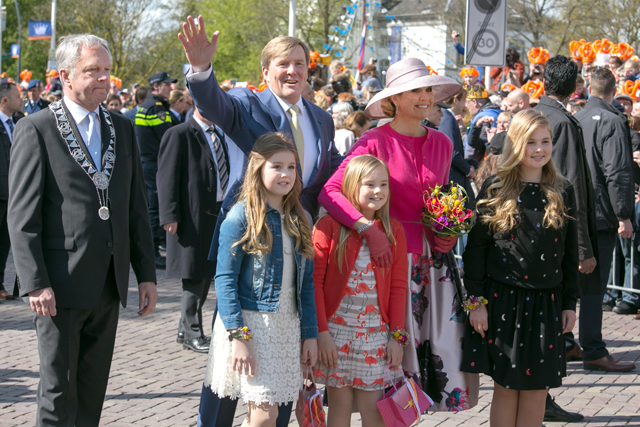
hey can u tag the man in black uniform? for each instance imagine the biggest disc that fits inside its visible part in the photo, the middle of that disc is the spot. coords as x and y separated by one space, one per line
152 121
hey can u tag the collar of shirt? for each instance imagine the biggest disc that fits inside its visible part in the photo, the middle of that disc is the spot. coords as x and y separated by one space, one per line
202 124
175 113
78 112
4 117
285 105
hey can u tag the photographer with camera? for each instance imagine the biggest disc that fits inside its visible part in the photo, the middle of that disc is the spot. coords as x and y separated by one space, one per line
513 64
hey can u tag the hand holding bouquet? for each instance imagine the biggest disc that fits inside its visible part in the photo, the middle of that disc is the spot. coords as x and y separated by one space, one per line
444 211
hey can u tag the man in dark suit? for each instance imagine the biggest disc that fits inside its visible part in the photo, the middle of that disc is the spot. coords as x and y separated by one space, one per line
77 219
194 176
10 104
34 103
244 116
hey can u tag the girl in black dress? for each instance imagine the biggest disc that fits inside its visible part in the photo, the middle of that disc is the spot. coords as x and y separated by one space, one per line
521 271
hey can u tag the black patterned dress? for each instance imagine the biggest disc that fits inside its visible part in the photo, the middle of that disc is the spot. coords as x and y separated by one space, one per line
529 276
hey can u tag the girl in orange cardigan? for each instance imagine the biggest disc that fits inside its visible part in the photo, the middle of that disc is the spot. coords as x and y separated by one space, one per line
360 307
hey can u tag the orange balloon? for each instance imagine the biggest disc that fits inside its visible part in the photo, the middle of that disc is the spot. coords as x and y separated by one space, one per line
603 46
587 53
534 89
623 51
538 55
631 88
507 87
574 48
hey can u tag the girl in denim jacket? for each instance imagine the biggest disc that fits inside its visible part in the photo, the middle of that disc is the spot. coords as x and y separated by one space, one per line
264 287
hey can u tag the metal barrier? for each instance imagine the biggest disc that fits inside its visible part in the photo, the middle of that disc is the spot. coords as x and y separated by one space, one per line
612 276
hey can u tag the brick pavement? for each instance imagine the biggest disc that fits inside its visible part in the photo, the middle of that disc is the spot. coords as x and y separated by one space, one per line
156 383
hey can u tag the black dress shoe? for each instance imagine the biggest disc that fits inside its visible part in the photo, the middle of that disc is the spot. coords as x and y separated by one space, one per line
180 338
196 344
553 412
624 308
161 262
207 340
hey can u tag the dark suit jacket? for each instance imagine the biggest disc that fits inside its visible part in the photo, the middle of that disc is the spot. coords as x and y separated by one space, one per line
58 239
460 167
245 116
569 157
187 188
5 150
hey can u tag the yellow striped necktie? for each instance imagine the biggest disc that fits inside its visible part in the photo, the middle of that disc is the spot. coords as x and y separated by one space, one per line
297 133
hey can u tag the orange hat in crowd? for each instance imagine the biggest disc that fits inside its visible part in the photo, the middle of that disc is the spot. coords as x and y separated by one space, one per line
468 71
631 88
26 75
535 89
117 80
51 73
574 48
538 55
507 87
587 53
603 46
623 51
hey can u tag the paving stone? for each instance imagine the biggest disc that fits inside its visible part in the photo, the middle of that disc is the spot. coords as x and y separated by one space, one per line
154 382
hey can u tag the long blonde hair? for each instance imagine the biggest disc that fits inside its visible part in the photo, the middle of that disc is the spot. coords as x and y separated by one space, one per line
502 195
356 170
257 238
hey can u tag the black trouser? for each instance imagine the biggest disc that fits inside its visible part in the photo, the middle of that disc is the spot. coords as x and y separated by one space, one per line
150 169
194 294
590 326
76 348
4 241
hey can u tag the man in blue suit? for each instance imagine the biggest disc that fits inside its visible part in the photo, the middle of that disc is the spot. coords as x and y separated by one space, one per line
244 116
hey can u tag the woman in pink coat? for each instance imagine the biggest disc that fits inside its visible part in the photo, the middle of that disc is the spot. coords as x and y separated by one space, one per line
418 158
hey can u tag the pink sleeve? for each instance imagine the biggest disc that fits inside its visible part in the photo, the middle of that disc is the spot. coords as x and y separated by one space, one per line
331 197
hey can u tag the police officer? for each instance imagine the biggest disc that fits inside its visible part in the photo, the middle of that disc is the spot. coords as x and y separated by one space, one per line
34 103
153 118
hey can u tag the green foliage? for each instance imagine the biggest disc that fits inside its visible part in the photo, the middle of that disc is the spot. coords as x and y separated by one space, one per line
245 28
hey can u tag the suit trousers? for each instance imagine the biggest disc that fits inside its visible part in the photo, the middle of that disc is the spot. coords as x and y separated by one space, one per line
76 348
215 411
150 170
590 326
4 241
194 294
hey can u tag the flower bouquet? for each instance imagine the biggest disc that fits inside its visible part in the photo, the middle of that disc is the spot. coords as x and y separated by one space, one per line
444 211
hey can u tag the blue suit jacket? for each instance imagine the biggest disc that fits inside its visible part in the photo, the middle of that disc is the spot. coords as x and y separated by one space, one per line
244 116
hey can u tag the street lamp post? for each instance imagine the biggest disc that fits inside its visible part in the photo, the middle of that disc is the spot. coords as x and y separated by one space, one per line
51 63
292 18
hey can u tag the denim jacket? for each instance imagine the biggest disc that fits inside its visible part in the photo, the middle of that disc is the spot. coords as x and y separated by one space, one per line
252 282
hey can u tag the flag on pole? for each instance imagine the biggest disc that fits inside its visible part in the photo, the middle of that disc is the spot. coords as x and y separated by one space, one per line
364 37
15 50
39 30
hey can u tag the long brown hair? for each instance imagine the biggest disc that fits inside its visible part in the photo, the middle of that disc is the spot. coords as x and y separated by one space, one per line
257 238
356 170
502 195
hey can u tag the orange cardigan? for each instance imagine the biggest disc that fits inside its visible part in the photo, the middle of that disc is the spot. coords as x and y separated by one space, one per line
330 283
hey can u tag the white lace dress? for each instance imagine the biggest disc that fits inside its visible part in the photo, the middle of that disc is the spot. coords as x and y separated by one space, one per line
275 346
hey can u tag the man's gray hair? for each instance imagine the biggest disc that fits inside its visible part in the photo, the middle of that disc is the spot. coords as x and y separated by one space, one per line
70 47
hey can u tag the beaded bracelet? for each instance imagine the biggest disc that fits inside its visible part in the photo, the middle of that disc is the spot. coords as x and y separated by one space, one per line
474 303
401 336
241 334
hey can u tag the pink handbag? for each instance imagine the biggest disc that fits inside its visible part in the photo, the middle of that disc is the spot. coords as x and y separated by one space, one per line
403 405
309 409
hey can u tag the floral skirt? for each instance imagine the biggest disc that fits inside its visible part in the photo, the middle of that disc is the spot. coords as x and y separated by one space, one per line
523 349
435 321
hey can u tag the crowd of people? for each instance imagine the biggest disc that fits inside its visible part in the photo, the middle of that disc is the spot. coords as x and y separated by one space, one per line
301 200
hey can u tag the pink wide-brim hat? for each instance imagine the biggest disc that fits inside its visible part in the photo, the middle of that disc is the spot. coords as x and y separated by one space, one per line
410 74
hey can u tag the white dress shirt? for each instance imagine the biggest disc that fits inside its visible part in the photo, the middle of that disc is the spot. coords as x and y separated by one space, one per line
311 150
4 119
81 117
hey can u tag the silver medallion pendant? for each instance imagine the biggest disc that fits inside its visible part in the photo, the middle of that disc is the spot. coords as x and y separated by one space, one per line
103 213
101 181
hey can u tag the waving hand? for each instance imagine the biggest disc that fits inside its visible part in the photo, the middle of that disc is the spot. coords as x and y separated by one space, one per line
197 46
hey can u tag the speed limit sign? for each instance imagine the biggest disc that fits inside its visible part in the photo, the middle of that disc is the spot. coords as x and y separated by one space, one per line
486 32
